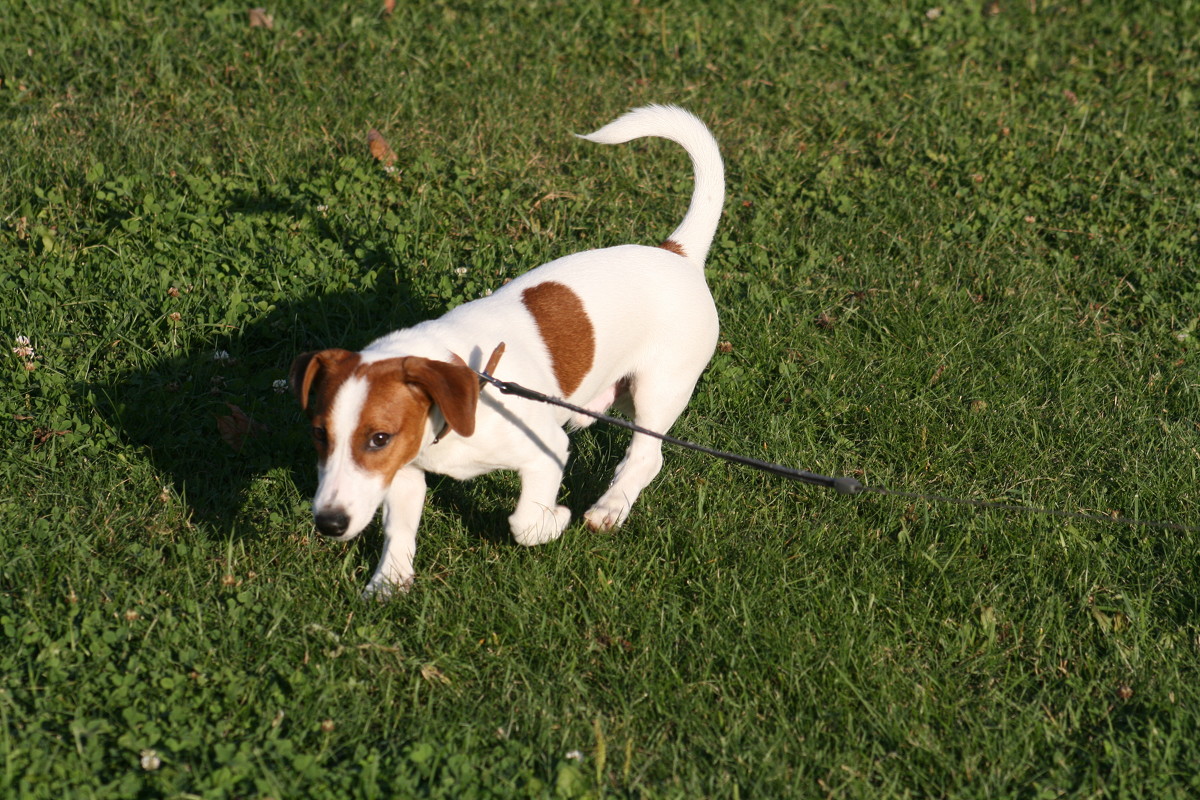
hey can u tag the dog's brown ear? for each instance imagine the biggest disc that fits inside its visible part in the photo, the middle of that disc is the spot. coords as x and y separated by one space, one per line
300 376
453 387
309 368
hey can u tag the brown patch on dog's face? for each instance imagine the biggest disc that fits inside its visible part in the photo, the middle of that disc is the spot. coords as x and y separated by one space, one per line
382 416
566 330
315 379
391 424
673 246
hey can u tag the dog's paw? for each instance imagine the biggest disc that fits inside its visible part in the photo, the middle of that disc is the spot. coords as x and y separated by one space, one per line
544 525
608 514
381 589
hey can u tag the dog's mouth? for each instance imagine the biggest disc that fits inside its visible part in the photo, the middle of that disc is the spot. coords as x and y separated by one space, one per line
345 502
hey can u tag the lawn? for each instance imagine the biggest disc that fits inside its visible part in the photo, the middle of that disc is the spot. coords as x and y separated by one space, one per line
958 257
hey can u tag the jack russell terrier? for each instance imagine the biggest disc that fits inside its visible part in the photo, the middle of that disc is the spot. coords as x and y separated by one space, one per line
630 327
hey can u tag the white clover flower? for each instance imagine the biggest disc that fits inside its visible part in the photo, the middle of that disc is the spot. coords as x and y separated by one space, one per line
323 209
460 270
575 756
221 355
280 386
24 349
150 760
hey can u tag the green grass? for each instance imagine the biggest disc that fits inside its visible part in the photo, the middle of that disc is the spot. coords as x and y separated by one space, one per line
959 256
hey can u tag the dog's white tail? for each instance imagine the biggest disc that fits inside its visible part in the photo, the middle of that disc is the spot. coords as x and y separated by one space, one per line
695 234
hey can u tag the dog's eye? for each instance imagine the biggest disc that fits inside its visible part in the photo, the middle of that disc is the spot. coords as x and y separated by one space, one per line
378 441
320 435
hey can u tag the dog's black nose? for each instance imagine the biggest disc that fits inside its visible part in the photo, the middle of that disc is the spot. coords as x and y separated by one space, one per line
333 522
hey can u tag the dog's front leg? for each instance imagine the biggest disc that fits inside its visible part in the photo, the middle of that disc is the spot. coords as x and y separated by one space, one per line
538 517
401 513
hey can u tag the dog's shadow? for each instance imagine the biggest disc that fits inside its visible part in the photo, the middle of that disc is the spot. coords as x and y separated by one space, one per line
216 420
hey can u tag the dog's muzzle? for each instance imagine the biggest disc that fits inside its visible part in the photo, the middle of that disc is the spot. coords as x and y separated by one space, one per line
333 522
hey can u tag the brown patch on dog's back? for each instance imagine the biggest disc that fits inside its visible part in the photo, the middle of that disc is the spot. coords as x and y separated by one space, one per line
673 246
566 329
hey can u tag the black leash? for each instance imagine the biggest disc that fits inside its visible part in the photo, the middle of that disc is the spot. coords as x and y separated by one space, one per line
840 485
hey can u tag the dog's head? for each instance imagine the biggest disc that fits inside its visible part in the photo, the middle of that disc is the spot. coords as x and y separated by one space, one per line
369 419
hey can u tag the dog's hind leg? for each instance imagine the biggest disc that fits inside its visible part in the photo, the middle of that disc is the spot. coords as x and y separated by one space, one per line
656 406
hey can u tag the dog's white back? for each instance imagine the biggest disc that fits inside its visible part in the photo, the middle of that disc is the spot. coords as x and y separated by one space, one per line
630 327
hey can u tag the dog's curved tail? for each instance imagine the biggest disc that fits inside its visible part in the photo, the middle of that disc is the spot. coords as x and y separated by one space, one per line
695 234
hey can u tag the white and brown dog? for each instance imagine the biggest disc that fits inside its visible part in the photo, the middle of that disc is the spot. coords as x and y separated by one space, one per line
628 326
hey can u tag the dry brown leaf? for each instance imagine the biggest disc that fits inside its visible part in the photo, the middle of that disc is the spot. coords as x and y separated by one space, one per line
380 148
236 428
388 7
259 18
434 675
43 435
